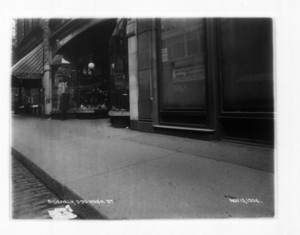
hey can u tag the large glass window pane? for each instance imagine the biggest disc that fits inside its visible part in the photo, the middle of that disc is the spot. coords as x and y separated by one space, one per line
247 70
183 64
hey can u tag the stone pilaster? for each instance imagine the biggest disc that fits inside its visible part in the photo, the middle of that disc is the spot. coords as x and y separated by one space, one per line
132 69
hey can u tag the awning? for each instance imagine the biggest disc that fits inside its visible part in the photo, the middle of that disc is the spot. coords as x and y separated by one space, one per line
31 65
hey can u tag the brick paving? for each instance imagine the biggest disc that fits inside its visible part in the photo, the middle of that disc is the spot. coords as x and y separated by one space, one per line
29 195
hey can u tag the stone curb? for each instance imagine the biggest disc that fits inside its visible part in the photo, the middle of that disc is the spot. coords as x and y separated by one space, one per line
86 211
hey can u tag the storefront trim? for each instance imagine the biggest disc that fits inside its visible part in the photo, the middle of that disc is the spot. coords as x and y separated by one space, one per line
69 31
185 128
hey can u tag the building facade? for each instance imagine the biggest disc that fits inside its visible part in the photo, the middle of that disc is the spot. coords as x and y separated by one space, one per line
208 78
28 61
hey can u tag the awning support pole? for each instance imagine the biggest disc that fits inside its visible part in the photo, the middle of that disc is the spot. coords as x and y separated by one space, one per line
47 81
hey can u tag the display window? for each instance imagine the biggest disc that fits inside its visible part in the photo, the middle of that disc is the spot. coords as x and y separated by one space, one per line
79 88
119 84
183 59
246 65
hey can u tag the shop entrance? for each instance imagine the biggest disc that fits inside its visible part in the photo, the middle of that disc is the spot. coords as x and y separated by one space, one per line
82 68
27 96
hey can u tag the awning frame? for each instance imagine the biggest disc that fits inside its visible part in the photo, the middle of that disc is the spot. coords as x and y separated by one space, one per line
31 66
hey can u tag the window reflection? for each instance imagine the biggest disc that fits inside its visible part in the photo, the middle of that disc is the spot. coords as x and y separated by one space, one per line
247 70
183 66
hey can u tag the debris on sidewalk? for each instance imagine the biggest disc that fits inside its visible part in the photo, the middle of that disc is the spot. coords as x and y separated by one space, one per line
64 213
228 196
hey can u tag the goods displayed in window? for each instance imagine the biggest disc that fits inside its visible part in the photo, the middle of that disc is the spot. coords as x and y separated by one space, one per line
79 89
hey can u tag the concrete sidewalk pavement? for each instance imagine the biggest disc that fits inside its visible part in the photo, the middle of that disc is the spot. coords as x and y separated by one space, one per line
145 175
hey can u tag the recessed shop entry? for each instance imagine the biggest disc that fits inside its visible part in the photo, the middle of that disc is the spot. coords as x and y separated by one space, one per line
89 69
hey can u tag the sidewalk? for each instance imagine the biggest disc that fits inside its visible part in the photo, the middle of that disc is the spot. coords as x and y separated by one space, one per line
145 175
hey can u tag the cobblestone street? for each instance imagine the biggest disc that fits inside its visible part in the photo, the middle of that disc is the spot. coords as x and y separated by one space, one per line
29 195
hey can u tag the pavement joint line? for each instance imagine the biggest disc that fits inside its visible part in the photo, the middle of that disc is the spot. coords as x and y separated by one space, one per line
111 137
194 155
120 168
228 162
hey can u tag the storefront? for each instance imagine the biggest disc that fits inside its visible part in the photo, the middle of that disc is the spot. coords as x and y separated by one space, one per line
27 89
81 68
204 77
208 78
183 73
